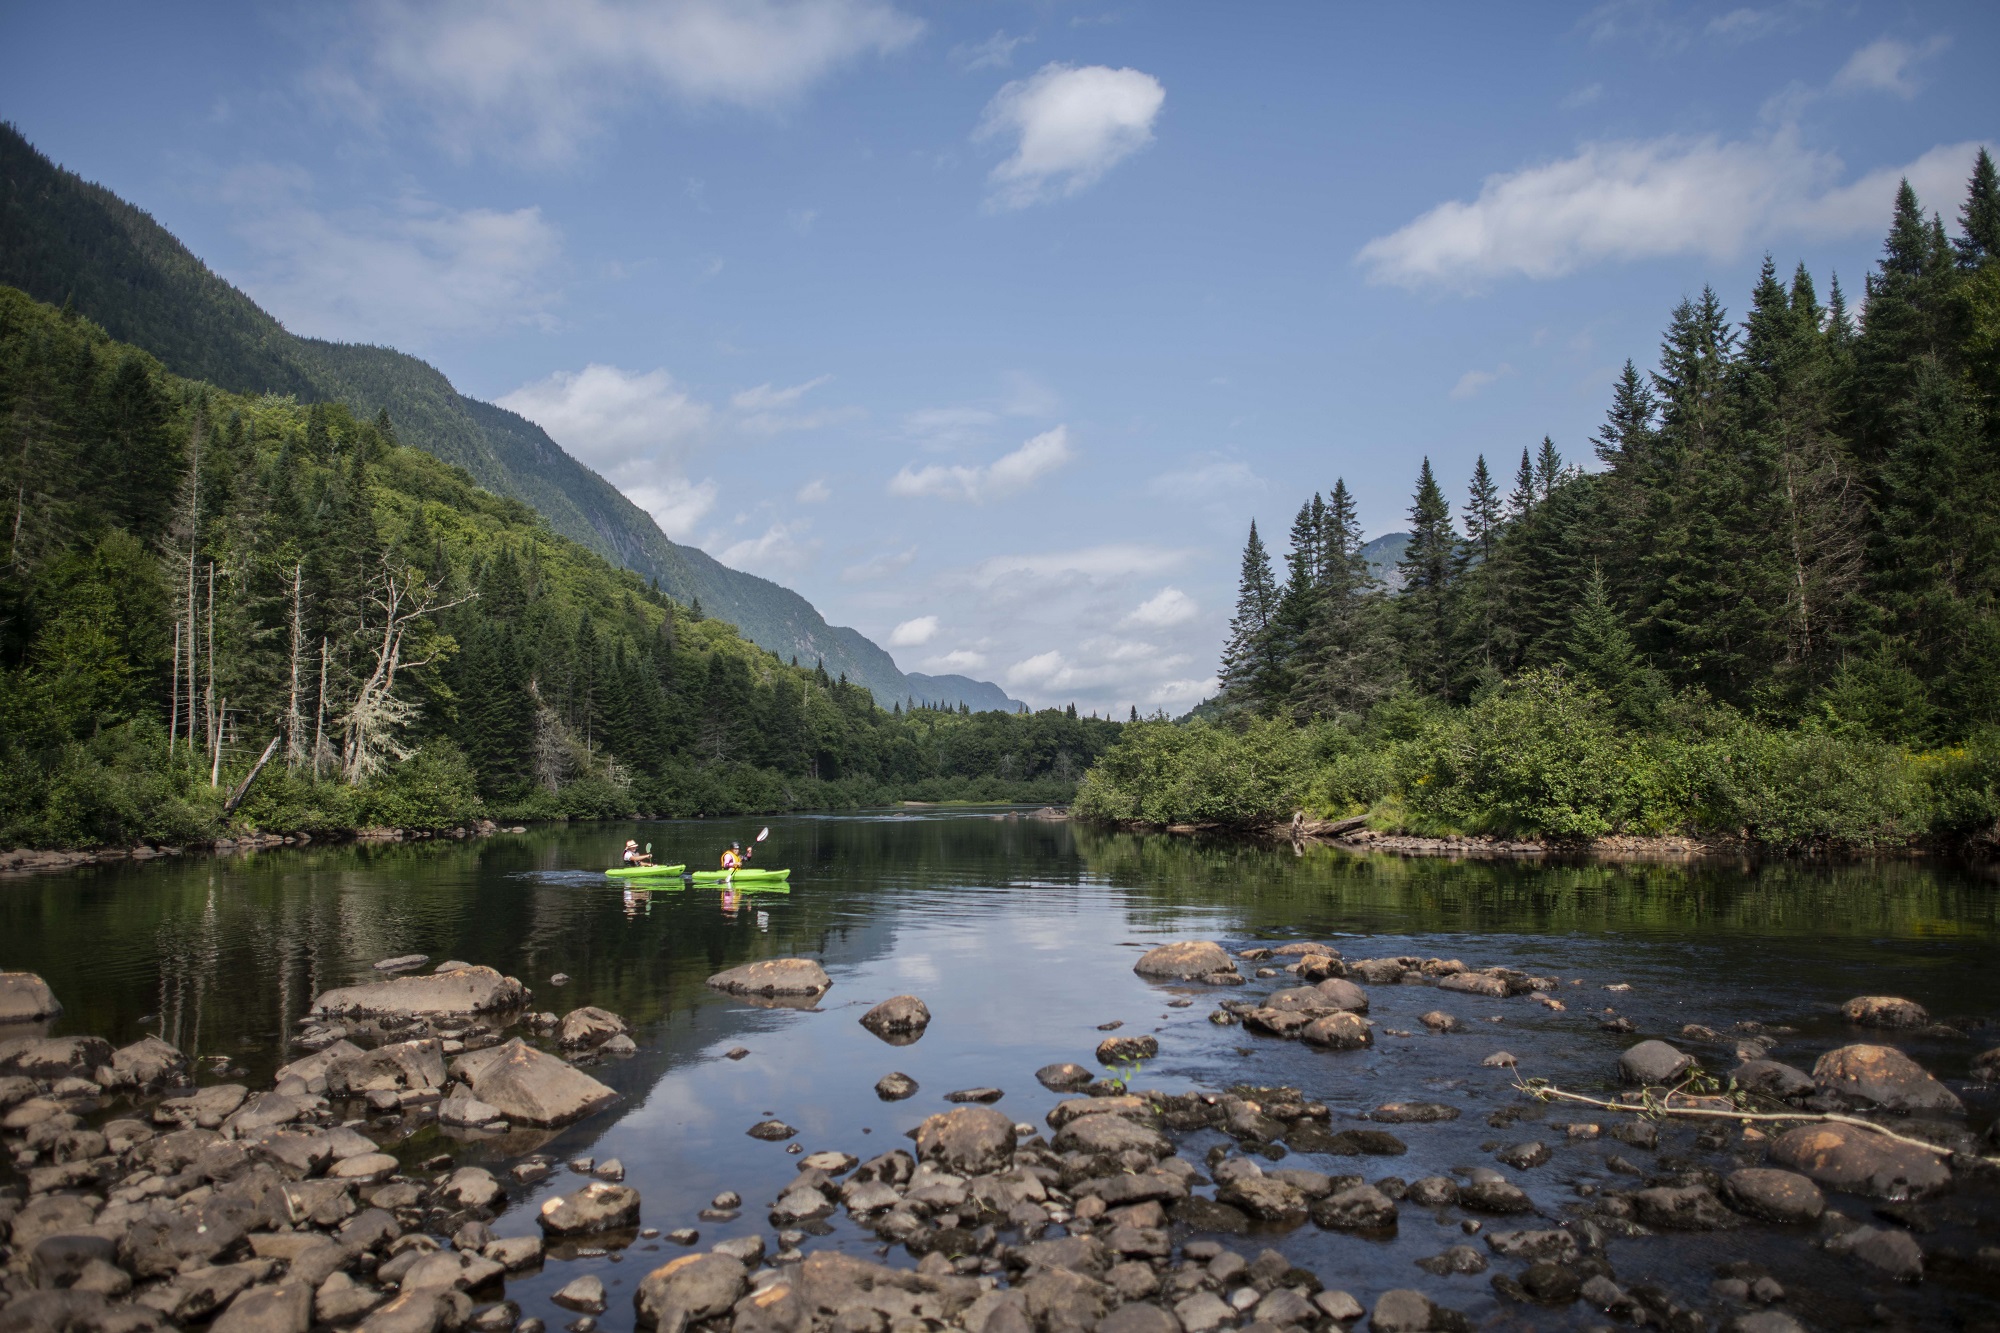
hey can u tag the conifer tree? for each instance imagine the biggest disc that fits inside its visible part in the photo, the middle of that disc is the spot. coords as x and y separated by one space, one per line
1424 608
1251 669
1979 217
1521 501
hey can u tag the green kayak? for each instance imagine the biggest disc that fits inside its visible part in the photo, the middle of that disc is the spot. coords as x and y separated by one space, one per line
641 872
741 877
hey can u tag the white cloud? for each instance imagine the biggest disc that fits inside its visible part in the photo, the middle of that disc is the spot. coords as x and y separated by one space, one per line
879 567
914 633
1649 199
1091 564
769 398
1043 669
996 52
638 428
779 547
1007 475
1185 692
527 76
1885 66
1168 606
1073 125
675 503
813 492
961 659
766 408
405 274
1205 481
1472 381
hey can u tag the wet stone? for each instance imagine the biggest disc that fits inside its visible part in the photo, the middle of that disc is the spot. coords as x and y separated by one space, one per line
1063 1077
1653 1062
895 1087
1460 1259
1774 1195
1524 1156
771 1131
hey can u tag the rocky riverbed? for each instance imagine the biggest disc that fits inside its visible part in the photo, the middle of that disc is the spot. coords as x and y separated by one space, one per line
148 1193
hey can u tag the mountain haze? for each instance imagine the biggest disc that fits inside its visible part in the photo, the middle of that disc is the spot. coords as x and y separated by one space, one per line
68 242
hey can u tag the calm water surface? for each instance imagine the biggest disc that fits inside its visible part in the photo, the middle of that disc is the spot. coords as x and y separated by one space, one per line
1020 935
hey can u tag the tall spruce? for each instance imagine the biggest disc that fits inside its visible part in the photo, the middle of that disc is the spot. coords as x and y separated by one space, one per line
1252 666
1425 605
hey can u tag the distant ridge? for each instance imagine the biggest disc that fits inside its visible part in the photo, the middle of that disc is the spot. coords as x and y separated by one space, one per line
68 242
979 695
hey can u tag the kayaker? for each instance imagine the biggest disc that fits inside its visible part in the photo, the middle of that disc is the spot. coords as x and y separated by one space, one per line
732 861
635 857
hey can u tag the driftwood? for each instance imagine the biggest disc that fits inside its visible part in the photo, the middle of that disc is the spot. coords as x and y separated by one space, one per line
1543 1090
243 787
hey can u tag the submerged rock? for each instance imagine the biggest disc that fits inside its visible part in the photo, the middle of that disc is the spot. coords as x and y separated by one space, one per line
598 1206
1774 1195
1653 1062
590 1026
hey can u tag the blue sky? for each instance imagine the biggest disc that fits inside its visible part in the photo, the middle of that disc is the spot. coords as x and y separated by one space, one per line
989 327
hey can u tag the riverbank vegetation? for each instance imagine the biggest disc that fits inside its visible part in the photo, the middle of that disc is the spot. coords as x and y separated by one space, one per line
193 576
1772 611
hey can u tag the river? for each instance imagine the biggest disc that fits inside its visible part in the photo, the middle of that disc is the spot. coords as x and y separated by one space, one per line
1020 934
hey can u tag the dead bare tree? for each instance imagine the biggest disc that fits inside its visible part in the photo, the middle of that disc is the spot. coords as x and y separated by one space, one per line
406 600
295 750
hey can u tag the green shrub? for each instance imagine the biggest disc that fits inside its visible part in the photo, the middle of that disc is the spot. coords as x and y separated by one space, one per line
119 787
432 789
1539 755
1163 773
1810 788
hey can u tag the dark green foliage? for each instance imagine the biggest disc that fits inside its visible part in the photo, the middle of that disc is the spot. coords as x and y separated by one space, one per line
541 681
1794 541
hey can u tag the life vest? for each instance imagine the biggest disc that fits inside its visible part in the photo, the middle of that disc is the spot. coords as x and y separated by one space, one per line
731 861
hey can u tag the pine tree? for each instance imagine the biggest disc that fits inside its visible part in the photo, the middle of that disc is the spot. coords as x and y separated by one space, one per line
1483 517
1979 217
1549 469
1628 427
1521 501
1251 669
1424 609
1298 601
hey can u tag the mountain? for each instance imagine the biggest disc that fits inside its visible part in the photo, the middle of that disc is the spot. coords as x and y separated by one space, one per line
979 695
1382 555
68 242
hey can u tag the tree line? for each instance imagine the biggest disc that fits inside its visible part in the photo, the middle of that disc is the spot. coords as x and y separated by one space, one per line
1768 610
1796 515
193 577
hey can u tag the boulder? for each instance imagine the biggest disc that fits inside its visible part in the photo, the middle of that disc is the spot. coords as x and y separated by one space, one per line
1884 1011
1338 1032
1682 1208
530 1086
284 1307
1413 1113
311 1070
147 1063
589 1026
1882 1078
74 1311
774 976
472 1187
467 1110
25 997
1402 1311
1357 1208
688 1290
1774 1195
598 1206
1653 1062
1771 1078
898 1020
204 1109
1860 1161
1185 960
969 1141
1475 983
895 1087
1986 1066
1119 1050
469 990
1110 1135
1064 1077
53 1057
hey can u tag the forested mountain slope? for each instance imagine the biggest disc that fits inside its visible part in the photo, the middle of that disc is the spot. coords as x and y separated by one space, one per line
68 242
191 575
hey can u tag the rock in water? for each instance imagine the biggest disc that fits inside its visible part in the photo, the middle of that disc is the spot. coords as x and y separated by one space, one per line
898 1020
1339 1032
1402 1311
1882 1078
1653 1062
471 990
774 976
688 1290
1186 960
1773 1079
25 997
1775 1196
598 1206
402 962
1884 1011
530 1086
1063 1077
589 1026
895 1087
969 1141
1860 1161
1118 1050
1895 1253
584 1294
771 1131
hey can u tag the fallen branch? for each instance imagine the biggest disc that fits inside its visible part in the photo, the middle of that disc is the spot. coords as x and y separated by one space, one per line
1542 1090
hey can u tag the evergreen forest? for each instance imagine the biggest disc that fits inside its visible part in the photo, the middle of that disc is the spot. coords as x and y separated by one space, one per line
1767 607
198 580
